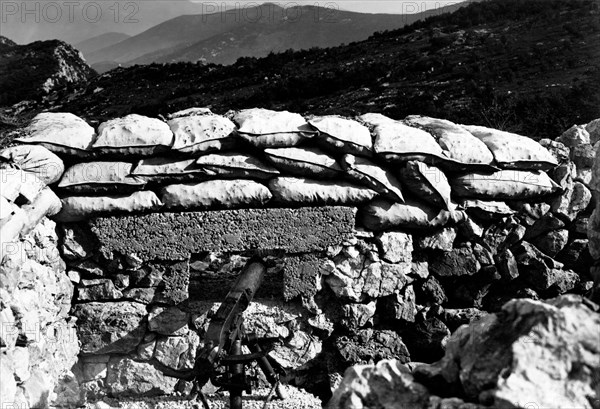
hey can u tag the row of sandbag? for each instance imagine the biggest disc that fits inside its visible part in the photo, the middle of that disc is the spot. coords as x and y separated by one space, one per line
198 130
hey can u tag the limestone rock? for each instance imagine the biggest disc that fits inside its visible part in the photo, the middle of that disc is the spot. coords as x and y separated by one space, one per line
577 256
98 290
401 306
358 315
575 198
420 269
36 389
593 129
531 351
575 136
177 352
455 317
553 242
396 247
431 291
89 268
113 327
76 242
8 386
168 321
583 156
558 149
458 262
388 384
369 345
507 265
426 338
442 240
127 378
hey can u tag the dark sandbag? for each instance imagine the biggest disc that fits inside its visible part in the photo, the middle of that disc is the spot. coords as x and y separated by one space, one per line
504 185
168 170
235 165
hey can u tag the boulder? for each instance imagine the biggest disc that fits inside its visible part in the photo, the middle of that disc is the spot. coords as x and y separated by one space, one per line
128 378
178 353
113 327
168 321
442 240
583 156
97 290
531 351
358 315
593 129
458 262
576 198
553 242
431 291
395 247
369 345
575 136
389 384
558 149
401 306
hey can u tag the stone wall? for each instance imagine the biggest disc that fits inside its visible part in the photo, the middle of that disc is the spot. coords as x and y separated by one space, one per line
381 237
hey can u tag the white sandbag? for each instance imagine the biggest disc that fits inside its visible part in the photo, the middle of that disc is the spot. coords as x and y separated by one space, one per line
100 177
60 132
382 214
504 185
235 165
17 185
369 174
264 128
305 162
223 194
398 142
513 151
342 135
160 169
133 135
202 133
35 159
486 209
75 208
428 183
295 191
458 145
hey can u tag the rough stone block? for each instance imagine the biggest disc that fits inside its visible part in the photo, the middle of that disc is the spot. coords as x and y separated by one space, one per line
174 236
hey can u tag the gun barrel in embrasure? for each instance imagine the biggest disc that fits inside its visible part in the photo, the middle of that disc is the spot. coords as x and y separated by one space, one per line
250 279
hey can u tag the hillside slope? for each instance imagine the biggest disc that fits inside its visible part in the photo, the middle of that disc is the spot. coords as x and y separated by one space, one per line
529 66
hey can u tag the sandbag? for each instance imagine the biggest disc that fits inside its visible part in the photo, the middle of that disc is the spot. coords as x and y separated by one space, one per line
427 182
223 194
398 142
100 177
60 132
383 214
375 177
486 209
504 185
305 162
76 208
342 135
190 112
235 165
202 133
133 135
161 170
513 151
294 191
35 159
460 148
264 128
19 186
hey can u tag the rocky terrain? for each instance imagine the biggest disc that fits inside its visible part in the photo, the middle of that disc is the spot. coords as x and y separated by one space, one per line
378 252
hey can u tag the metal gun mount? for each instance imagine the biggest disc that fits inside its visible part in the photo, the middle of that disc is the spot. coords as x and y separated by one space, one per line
221 360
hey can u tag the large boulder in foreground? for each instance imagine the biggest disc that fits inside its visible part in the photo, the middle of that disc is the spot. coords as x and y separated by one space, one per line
546 353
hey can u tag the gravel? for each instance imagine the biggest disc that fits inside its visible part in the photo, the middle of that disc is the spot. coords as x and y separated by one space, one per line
296 399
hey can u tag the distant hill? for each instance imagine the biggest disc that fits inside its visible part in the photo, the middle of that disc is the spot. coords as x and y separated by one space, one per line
248 32
103 40
40 68
528 66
